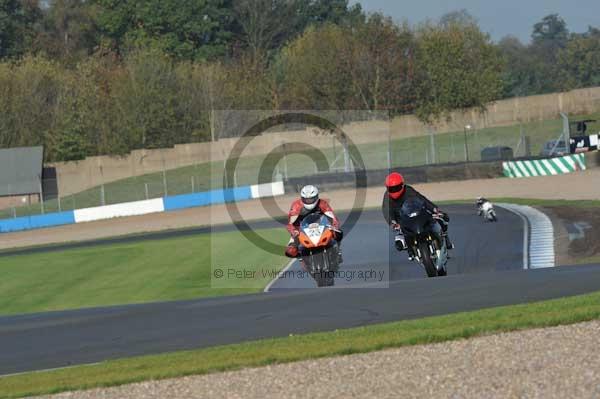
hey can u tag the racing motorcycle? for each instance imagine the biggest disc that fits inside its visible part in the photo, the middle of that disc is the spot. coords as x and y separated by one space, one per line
424 237
319 251
486 209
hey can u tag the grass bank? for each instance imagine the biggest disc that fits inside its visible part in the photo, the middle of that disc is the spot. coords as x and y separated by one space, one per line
309 346
147 271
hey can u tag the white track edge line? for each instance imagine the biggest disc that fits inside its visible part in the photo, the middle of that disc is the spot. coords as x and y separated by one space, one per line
48 370
285 269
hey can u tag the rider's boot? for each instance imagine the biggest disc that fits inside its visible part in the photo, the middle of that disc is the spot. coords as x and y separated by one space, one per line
400 242
340 259
401 245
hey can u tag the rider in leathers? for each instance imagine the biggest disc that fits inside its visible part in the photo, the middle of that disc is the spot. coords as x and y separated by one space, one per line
396 194
308 203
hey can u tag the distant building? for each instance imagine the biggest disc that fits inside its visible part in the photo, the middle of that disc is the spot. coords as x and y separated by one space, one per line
20 176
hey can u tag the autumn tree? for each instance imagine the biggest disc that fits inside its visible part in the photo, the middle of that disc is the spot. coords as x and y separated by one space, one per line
579 61
458 68
380 57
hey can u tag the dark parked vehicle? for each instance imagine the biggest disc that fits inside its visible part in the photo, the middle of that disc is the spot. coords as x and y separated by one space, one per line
500 153
554 148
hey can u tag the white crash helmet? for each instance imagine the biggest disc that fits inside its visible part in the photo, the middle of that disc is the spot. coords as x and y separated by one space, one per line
310 197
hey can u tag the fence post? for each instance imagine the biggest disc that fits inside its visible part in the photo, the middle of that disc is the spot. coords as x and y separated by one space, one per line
193 190
58 194
41 194
285 165
389 149
102 199
164 177
432 143
467 127
146 189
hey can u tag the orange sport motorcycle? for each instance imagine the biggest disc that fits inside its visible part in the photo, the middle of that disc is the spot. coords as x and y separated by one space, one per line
319 251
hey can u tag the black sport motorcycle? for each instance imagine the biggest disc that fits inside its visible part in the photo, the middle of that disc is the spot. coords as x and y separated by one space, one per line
422 233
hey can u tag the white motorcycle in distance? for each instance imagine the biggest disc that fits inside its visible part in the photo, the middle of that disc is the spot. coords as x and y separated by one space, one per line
486 209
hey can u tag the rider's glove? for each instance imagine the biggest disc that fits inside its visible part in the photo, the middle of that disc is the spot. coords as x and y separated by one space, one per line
295 233
395 226
437 214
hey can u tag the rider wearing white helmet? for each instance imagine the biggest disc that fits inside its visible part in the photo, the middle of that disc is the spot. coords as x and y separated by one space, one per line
308 203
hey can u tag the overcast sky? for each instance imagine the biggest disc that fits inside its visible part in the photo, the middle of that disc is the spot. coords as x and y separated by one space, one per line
499 18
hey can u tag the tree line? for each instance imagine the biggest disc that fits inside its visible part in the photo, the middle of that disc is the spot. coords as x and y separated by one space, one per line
92 77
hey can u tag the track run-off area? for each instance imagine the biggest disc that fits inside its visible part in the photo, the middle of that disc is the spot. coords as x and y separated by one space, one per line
487 269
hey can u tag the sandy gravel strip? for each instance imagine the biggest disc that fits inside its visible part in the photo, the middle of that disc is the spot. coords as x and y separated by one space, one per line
560 362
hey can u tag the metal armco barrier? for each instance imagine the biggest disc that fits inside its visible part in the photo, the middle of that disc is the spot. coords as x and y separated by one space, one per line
419 174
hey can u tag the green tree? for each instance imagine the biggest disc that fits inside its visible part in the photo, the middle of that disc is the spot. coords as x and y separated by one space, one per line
30 89
380 59
313 74
86 121
146 103
458 68
519 76
459 17
550 32
337 12
264 26
17 26
550 36
69 32
579 61
186 30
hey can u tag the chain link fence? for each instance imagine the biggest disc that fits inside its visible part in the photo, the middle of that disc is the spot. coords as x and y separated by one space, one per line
469 143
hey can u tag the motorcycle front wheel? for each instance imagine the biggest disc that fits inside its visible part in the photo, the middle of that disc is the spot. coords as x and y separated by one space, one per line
426 260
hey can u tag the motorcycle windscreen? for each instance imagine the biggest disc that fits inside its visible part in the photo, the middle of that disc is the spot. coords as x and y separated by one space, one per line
413 216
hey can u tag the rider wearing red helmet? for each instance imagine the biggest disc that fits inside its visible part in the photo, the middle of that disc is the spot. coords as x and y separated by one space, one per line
396 194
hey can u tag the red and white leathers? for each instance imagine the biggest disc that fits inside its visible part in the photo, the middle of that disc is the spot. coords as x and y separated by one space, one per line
295 216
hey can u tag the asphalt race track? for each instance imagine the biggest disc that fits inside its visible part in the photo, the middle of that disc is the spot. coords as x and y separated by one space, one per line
369 247
486 270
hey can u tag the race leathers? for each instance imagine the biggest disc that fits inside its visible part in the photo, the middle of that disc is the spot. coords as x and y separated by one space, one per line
298 212
391 207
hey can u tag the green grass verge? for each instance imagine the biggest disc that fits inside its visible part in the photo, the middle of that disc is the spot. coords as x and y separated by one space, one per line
148 271
309 346
407 152
589 261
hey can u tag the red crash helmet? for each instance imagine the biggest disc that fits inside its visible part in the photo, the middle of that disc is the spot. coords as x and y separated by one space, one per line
395 185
